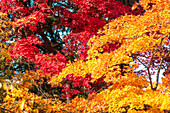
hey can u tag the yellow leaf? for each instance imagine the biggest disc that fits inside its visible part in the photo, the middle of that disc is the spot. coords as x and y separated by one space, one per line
22 105
0 85
5 87
35 111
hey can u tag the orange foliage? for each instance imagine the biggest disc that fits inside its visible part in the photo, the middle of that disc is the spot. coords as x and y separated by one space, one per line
128 93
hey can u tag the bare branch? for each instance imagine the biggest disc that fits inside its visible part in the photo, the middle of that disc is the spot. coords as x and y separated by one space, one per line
159 68
153 53
141 62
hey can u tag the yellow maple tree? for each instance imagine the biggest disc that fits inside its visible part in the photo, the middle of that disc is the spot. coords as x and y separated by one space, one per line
129 92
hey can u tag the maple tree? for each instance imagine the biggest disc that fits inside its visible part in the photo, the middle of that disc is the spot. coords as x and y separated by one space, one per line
96 62
5 64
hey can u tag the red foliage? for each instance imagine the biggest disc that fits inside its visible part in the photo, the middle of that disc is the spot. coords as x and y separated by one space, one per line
25 48
73 85
91 16
49 63
111 47
83 17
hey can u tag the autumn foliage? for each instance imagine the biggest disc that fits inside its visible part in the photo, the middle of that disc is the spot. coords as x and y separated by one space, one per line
74 56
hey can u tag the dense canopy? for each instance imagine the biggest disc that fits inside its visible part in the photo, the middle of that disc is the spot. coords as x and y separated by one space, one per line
84 56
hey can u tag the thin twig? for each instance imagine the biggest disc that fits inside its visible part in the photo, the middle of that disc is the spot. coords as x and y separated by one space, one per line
141 62
153 54
6 110
159 68
56 102
42 93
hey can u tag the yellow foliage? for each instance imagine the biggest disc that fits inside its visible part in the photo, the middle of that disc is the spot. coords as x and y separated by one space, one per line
131 32
28 79
129 93
129 98
20 100
8 25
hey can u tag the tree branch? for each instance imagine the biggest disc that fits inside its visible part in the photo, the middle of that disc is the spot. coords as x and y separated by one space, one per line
6 110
